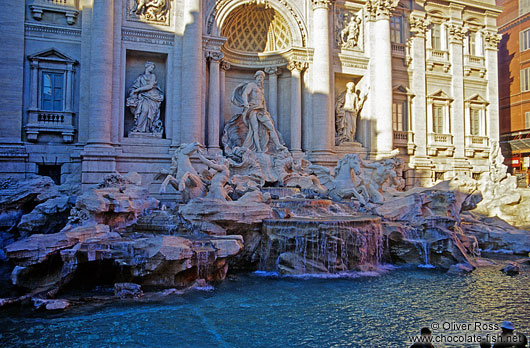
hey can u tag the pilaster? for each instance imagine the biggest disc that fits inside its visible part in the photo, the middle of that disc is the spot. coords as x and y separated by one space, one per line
492 39
323 118
296 67
456 33
192 74
379 11
273 73
214 101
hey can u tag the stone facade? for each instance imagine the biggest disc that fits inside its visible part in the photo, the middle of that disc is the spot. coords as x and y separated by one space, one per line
425 70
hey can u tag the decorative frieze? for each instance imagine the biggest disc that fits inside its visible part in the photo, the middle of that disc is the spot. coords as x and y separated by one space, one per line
38 28
380 9
150 37
149 11
349 29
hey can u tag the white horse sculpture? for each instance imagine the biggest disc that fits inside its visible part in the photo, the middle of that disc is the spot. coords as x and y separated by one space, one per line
342 184
182 176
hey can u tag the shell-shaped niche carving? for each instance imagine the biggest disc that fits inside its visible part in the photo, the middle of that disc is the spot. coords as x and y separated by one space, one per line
256 28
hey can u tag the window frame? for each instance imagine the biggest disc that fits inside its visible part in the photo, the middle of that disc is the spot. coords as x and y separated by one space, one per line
525 80
524 40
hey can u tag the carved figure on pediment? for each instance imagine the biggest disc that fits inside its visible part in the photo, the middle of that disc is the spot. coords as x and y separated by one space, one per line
349 35
144 101
260 129
151 10
347 107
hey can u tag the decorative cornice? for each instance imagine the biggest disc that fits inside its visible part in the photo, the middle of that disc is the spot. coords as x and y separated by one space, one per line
380 9
492 39
456 33
325 4
419 24
38 28
150 37
297 65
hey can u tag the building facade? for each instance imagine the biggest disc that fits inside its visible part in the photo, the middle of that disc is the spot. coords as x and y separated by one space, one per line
514 85
98 86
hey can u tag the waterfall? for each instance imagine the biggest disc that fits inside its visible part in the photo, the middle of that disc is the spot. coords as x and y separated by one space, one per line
320 245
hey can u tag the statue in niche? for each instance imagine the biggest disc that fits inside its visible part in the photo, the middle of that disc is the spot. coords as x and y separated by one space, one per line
150 10
347 107
144 101
251 97
349 35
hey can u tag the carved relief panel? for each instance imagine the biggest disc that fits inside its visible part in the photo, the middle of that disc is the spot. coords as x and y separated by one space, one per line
149 11
349 29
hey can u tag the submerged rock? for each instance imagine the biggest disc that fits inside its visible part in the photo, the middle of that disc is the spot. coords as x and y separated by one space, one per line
50 305
128 290
511 269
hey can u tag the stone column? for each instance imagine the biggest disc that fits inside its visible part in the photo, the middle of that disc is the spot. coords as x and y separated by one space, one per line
492 39
214 100
296 68
224 67
34 85
323 118
99 157
101 62
456 35
191 103
273 73
68 97
421 176
381 71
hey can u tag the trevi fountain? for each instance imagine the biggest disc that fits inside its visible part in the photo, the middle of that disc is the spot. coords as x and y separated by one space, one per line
261 248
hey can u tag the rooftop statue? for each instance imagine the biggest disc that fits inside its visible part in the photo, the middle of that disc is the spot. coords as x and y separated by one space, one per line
144 101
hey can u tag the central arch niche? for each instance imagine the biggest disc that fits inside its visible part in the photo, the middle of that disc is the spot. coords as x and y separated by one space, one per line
256 29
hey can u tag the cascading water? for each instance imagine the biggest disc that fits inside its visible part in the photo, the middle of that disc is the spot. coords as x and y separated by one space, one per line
321 245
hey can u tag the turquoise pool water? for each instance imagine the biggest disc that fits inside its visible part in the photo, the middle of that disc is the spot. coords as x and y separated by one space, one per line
257 311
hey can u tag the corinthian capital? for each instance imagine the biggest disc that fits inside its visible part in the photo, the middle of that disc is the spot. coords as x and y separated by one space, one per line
380 9
492 39
418 24
297 65
214 55
273 70
321 4
456 33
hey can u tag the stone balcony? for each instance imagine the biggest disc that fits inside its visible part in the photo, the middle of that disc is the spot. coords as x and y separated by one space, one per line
61 122
439 142
438 57
398 49
405 139
477 145
474 63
